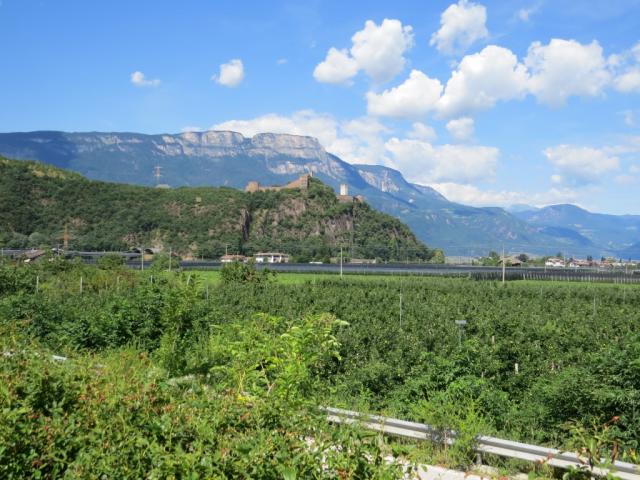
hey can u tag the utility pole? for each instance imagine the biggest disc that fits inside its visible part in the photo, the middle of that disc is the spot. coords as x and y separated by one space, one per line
141 258
157 174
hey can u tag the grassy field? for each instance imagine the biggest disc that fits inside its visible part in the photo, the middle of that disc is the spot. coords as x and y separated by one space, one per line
212 277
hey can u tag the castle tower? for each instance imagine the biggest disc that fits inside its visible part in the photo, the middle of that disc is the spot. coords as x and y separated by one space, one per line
344 189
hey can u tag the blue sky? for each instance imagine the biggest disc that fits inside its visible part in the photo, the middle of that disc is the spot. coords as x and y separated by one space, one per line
492 103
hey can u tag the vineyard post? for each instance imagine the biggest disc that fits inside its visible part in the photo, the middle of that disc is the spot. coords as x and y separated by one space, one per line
401 311
460 324
81 284
340 262
170 255
504 265
37 283
141 258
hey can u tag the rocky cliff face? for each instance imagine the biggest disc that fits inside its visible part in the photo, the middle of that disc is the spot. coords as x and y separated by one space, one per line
222 158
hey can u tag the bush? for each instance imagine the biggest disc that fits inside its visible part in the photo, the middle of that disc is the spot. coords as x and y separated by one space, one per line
237 272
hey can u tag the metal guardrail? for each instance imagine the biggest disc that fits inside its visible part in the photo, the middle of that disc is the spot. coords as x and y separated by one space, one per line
488 445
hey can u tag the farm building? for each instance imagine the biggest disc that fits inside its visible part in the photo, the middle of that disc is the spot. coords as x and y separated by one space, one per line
233 258
271 257
554 262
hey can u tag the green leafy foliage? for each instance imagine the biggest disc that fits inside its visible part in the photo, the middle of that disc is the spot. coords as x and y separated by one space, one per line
241 365
193 221
239 272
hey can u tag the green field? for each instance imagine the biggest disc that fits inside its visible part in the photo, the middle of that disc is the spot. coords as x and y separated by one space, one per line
230 366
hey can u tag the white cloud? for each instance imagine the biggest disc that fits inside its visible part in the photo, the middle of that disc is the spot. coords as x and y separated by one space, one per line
628 81
355 141
461 24
304 122
231 73
635 50
421 131
416 96
524 14
337 68
378 50
564 68
190 129
483 79
424 163
139 80
472 195
461 129
281 61
557 179
626 65
581 165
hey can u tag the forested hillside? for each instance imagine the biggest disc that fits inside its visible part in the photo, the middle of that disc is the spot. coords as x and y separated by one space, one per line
39 202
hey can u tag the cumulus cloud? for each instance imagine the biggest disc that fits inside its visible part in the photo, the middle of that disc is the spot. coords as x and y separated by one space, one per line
355 141
481 80
421 131
378 50
422 162
337 68
629 81
626 66
139 80
565 67
416 96
304 122
461 129
580 165
461 24
472 195
231 73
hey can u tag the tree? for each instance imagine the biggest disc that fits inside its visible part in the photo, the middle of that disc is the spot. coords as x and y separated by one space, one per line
438 256
111 261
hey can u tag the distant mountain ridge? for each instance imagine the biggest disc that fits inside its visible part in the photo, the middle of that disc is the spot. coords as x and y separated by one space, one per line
222 158
617 233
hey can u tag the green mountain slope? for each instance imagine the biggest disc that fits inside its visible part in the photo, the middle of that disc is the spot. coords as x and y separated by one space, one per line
38 202
223 158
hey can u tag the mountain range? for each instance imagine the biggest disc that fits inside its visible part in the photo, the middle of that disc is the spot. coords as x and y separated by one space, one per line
45 205
222 158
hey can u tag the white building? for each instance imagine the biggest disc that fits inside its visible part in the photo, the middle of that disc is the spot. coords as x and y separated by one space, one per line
271 257
233 258
554 262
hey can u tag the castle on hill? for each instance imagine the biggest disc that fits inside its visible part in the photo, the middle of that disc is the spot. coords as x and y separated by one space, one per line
302 183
